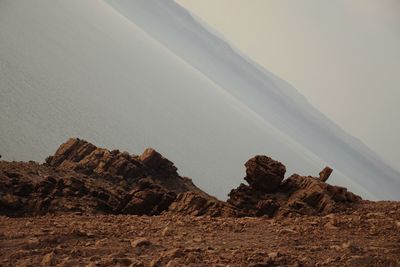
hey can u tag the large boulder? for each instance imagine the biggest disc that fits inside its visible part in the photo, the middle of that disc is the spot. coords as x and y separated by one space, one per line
264 174
267 194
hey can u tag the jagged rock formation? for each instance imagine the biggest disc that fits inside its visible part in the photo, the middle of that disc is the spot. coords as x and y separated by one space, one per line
325 173
116 166
191 203
268 195
30 188
264 174
81 177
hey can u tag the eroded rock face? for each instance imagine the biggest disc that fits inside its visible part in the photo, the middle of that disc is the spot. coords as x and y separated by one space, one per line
33 189
146 199
325 173
306 192
192 203
83 157
250 202
268 194
81 177
264 174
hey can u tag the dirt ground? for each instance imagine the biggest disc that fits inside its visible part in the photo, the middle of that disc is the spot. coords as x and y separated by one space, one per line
367 236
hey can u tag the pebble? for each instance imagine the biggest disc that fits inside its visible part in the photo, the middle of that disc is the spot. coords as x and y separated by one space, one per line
360 260
273 255
48 259
154 263
167 231
173 253
122 261
140 242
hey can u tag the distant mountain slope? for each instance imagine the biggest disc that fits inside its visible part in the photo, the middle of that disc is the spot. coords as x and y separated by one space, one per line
73 68
273 99
80 68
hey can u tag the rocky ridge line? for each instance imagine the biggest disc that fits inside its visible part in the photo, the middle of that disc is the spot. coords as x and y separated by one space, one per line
81 177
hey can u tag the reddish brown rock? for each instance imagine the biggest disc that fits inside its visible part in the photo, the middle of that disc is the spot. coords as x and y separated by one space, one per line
81 177
147 198
298 194
317 195
250 202
364 236
192 203
153 160
264 174
118 167
325 173
83 157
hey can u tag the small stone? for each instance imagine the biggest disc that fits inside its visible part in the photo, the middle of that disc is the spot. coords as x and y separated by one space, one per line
154 263
273 255
167 231
100 242
90 235
350 246
48 259
330 226
360 260
197 239
33 242
172 263
336 247
136 263
122 261
261 264
140 242
173 253
190 259
284 231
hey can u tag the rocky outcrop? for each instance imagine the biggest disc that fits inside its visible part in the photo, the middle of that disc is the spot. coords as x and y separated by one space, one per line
325 173
250 202
268 194
146 198
33 189
264 174
191 203
81 177
83 157
309 195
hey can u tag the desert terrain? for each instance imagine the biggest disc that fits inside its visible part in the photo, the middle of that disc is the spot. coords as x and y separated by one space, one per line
88 206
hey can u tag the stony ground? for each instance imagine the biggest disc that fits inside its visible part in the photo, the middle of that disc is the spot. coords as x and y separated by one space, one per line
366 236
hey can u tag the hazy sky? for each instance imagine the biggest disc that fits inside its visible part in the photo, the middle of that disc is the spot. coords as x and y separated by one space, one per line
343 56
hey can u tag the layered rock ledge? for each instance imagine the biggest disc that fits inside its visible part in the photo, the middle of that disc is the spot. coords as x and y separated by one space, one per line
81 177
